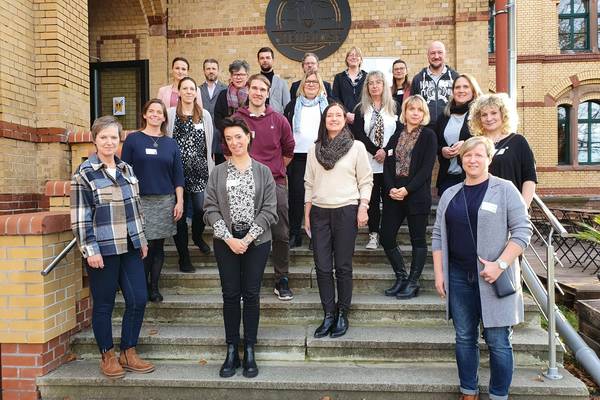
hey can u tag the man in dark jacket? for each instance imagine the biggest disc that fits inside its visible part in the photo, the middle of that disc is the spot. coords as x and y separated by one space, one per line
209 91
310 63
434 82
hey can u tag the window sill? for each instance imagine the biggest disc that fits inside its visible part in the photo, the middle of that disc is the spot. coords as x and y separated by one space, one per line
567 168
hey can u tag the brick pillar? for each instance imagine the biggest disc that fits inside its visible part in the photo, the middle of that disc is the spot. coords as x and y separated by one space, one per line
39 313
471 27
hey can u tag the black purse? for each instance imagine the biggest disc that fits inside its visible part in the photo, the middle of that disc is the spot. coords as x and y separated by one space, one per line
503 286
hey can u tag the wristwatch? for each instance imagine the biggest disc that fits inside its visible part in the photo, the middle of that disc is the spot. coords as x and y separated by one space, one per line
502 264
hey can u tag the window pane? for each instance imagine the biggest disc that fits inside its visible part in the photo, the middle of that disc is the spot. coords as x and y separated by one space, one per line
579 25
595 111
582 112
595 143
564 42
579 42
598 23
564 7
563 135
582 143
564 25
580 6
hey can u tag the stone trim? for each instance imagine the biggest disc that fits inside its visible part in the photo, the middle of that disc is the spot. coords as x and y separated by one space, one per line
58 188
18 203
25 133
551 58
40 223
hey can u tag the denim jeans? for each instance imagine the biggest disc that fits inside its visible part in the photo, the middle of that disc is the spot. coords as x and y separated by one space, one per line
465 310
127 272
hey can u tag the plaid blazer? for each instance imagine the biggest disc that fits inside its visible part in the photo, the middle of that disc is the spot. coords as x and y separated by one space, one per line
106 211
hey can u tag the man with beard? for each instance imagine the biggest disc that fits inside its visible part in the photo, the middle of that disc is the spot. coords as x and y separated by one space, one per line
209 91
434 82
310 63
279 95
272 145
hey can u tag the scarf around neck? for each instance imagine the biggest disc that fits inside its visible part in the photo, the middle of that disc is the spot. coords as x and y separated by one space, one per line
236 97
302 102
460 109
329 152
404 148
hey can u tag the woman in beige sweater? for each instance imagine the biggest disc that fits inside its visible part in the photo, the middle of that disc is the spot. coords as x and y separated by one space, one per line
338 182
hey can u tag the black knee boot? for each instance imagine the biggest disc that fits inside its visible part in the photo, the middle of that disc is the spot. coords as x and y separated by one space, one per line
250 367
397 263
156 267
232 361
419 255
181 243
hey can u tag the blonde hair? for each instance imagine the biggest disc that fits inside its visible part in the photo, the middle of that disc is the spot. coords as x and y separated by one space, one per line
474 88
501 101
300 91
416 98
475 141
104 122
387 102
358 52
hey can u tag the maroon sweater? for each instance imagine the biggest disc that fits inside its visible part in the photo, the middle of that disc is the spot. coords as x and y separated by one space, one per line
272 140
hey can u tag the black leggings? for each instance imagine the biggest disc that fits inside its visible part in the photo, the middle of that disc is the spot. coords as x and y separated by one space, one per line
295 173
394 213
375 203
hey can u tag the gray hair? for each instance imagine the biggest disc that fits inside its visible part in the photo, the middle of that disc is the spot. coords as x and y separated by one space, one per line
237 65
104 122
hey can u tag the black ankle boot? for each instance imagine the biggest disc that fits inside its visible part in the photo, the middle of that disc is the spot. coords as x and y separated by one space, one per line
326 326
181 243
341 324
232 362
397 262
156 265
419 255
250 367
295 241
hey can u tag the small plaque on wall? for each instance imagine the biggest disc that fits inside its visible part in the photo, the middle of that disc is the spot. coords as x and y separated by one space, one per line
118 105
296 27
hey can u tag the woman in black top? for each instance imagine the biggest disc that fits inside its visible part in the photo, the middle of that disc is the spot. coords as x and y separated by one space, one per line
410 155
494 116
348 84
401 84
192 128
452 129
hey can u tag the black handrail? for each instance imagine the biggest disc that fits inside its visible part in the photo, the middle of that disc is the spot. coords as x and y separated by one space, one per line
59 258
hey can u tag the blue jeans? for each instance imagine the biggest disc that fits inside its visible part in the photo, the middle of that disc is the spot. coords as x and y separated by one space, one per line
127 272
465 310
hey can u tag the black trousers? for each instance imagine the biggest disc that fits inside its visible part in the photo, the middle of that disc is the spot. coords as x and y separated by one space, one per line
197 202
375 203
394 214
295 173
334 234
241 278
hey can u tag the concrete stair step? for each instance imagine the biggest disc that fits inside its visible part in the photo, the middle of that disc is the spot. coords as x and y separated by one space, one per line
296 343
298 256
305 308
294 381
366 279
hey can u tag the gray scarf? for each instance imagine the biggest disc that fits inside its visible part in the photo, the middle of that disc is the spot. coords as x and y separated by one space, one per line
328 151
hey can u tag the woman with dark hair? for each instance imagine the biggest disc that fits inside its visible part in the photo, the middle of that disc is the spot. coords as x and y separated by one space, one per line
375 121
407 181
452 129
241 206
107 221
348 84
338 183
303 113
156 161
401 82
169 94
192 128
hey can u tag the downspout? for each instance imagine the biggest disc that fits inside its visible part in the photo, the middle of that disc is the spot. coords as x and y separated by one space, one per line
501 36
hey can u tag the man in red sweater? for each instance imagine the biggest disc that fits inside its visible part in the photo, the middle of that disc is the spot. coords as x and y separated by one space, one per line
272 145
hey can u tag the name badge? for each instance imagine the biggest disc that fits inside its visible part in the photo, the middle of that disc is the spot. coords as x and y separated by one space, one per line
390 152
151 152
400 91
198 126
491 207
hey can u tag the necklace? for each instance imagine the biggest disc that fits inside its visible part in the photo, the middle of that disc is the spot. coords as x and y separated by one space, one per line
154 142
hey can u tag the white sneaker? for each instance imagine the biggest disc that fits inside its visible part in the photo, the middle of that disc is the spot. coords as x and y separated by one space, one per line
373 241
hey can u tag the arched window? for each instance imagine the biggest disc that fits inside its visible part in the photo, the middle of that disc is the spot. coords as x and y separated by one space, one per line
564 135
573 27
588 132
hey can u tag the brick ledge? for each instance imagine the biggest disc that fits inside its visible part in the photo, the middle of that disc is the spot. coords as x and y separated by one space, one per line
40 223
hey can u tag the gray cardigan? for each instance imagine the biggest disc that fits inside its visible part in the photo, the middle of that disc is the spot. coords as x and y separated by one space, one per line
208 132
216 199
508 220
279 95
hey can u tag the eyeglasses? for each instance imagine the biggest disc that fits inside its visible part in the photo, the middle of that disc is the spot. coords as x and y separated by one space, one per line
239 75
311 82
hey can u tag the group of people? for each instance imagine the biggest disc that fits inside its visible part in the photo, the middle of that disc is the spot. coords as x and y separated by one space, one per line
255 160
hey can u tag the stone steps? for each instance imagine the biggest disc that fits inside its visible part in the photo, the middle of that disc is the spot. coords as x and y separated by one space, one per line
296 343
296 380
367 309
366 279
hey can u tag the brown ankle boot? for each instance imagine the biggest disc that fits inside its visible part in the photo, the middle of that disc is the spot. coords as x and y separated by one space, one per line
130 361
109 365
469 397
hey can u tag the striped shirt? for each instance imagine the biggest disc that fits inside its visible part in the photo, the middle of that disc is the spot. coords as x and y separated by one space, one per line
105 211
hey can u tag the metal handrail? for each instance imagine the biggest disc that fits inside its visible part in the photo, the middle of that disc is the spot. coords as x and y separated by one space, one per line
545 299
59 258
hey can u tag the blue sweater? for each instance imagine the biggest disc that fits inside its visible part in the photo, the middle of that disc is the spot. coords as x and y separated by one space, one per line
159 169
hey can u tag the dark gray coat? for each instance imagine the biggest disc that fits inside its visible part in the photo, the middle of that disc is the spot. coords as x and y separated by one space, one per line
510 221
